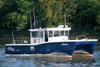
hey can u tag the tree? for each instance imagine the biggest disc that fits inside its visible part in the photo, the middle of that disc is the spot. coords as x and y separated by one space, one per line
15 14
84 18
96 6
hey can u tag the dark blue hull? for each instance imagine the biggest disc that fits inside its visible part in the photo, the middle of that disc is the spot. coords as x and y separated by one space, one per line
46 48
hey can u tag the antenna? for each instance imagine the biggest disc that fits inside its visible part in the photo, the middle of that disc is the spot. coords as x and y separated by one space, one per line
65 19
13 37
34 18
31 21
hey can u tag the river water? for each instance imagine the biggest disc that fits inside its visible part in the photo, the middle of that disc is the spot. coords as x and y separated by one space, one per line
22 62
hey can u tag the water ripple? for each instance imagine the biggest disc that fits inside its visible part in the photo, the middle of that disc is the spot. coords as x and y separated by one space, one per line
22 62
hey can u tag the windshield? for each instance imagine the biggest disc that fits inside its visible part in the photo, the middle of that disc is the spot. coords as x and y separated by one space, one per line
37 34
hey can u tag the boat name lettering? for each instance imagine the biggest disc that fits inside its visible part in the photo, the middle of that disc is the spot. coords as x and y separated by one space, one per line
64 44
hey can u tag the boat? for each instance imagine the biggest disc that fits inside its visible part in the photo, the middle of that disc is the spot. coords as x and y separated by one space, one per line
51 40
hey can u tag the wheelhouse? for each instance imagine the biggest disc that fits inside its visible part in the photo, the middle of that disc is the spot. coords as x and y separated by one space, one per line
49 34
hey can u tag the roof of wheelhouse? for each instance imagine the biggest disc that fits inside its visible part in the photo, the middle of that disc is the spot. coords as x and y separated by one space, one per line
59 28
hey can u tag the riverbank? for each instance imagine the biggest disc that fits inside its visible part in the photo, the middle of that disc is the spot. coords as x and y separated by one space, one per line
19 36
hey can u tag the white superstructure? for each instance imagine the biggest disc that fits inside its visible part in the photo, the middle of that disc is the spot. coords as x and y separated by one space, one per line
57 34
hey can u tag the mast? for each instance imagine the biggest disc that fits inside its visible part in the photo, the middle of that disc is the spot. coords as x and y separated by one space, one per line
31 26
31 21
65 19
13 37
32 17
34 22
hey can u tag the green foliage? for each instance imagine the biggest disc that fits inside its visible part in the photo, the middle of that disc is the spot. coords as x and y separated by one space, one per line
85 17
14 14
82 15
17 20
53 11
96 6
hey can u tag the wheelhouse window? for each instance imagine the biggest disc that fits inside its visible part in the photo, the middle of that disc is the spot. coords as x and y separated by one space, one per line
40 34
34 34
60 33
37 34
64 33
50 33
56 33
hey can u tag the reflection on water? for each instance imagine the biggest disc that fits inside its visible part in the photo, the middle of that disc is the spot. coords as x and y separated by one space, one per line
18 62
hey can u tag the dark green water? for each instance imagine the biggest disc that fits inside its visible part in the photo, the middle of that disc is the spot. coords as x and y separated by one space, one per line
16 62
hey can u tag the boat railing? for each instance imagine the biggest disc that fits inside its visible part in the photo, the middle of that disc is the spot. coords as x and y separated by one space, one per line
81 37
20 42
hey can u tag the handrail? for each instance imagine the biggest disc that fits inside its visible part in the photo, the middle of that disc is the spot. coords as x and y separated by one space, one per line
77 38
